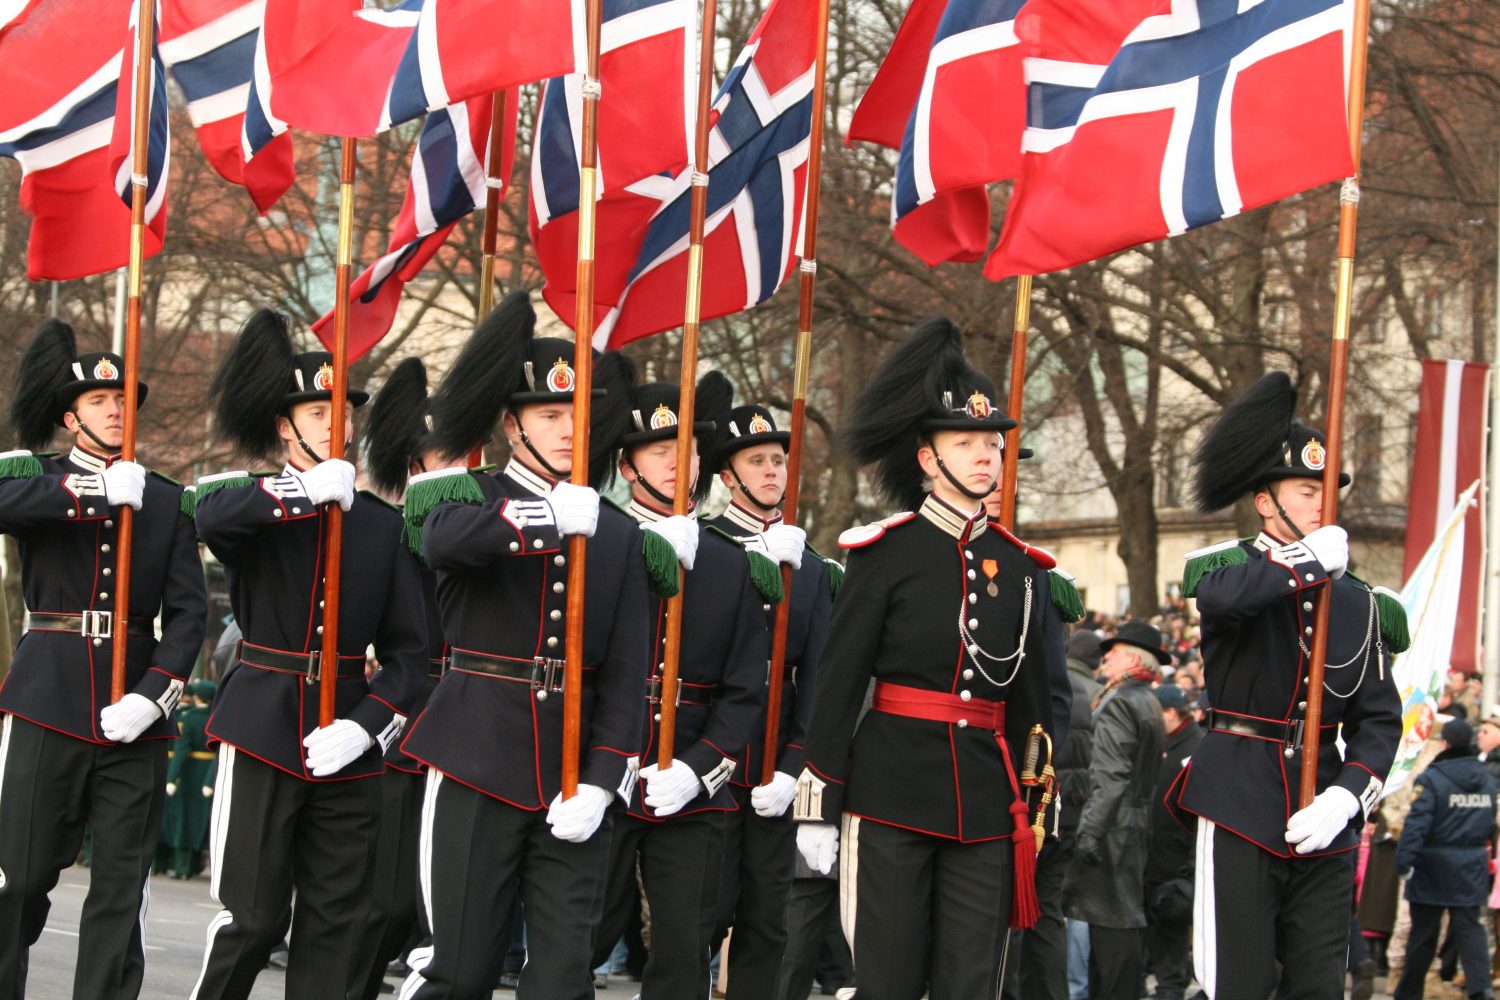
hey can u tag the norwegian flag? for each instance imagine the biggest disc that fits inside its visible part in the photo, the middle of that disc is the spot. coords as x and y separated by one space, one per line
58 125
645 129
158 136
209 47
13 12
757 183
1147 118
448 181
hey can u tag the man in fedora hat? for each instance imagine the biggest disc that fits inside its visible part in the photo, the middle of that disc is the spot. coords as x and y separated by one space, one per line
68 757
297 804
1274 881
1106 884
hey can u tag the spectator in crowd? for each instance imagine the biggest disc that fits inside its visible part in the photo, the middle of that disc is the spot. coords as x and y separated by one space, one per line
1106 882
1444 855
1487 739
1169 861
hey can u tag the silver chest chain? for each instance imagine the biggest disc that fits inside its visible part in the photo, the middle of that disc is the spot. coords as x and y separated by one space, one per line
1361 655
975 651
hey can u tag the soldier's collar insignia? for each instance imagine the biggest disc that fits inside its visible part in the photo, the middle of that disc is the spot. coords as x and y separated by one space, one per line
949 519
524 476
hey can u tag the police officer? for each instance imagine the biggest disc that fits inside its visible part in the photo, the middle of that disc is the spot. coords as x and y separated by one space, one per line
761 844
298 805
674 826
955 620
68 757
1444 856
1273 881
397 445
495 823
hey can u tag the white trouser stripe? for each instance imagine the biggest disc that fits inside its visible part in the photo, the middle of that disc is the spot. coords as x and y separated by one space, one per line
849 877
1205 923
221 920
420 958
218 817
4 758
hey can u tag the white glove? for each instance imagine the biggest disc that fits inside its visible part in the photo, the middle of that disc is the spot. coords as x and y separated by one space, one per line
782 542
331 747
576 819
682 533
128 718
668 791
329 481
818 843
124 482
772 800
1330 544
1315 827
208 791
575 508
171 788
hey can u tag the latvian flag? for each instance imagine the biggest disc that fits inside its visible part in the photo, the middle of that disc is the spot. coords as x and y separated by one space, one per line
1449 457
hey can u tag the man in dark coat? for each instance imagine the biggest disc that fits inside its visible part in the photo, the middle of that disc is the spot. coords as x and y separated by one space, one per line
69 757
189 784
1106 884
1169 861
1444 856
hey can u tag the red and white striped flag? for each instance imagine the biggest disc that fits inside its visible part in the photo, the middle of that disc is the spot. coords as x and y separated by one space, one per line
1449 455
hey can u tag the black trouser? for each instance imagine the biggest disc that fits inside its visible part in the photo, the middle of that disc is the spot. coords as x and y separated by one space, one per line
922 910
272 833
50 786
1115 962
1253 909
476 853
680 860
393 903
1467 933
813 932
1167 954
759 858
1036 966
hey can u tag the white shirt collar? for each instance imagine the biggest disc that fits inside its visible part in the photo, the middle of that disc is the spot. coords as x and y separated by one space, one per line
950 519
86 459
748 520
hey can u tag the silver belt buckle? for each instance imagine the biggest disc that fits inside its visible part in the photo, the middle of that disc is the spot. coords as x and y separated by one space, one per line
545 672
314 659
97 624
653 690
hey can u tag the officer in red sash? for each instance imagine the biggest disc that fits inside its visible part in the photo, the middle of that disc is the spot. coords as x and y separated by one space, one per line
956 621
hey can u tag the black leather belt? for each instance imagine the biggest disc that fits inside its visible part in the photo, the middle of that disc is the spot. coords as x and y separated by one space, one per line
653 693
1288 732
91 624
543 673
308 664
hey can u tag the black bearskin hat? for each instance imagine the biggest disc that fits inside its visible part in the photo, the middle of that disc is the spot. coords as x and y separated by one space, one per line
52 374
924 384
468 402
397 430
1256 441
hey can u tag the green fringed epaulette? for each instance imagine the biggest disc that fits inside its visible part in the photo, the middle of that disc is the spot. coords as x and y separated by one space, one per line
1201 562
1391 614
380 500
661 565
425 494
164 478
835 572
1065 596
19 465
765 572
188 502
220 481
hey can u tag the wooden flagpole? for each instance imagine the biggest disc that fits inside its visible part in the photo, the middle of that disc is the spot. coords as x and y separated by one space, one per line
688 376
583 381
139 165
1338 371
494 185
808 273
1020 328
333 564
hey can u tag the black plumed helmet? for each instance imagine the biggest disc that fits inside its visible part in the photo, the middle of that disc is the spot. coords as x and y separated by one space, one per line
42 373
712 401
1253 442
249 390
615 377
924 384
489 369
397 431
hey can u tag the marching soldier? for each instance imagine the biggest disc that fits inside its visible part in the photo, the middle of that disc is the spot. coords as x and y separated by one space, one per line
760 847
495 823
397 445
298 806
675 823
959 624
67 756
1273 881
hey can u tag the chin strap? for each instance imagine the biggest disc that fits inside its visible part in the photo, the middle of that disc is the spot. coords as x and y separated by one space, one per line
301 443
953 480
1286 518
655 493
739 484
107 449
546 465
